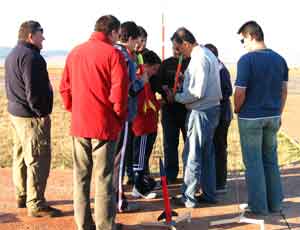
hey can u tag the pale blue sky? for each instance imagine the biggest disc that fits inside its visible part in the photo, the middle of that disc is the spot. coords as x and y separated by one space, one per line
67 23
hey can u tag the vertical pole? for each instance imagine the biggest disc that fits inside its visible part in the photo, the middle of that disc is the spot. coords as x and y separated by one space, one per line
163 36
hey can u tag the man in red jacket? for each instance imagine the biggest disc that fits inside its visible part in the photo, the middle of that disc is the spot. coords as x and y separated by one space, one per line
94 89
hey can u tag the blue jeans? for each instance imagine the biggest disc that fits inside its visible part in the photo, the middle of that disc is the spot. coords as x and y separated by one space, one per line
199 155
259 149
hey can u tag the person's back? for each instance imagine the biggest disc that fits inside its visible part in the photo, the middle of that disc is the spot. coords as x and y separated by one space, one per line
259 99
265 71
94 72
94 88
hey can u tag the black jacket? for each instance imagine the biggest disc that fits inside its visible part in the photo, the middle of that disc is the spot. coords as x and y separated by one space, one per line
166 76
27 84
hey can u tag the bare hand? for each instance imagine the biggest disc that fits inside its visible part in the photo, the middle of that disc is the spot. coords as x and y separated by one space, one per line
170 96
145 78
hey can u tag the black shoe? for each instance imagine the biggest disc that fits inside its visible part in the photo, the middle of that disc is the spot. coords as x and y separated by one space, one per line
44 211
149 182
21 202
128 207
119 226
202 200
177 201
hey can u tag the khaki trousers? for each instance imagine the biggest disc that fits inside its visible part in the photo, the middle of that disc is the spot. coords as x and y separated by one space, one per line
31 158
88 154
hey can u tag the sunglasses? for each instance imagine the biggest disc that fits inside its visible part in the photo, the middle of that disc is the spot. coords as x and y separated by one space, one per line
243 40
38 29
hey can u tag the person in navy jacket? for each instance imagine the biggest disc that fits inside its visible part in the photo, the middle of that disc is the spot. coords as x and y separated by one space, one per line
30 102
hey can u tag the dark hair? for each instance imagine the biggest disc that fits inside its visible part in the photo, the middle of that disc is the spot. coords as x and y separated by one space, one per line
253 29
212 48
29 27
129 29
142 32
151 58
107 24
181 35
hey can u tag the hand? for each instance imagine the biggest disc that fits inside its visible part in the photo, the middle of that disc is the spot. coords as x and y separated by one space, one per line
170 96
162 102
236 110
145 78
280 122
180 82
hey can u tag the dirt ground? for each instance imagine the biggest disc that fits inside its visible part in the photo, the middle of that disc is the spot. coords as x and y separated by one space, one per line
59 194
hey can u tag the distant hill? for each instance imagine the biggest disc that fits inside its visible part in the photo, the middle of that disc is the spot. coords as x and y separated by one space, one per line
52 56
4 52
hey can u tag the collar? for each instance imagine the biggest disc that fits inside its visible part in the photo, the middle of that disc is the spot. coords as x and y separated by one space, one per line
100 36
29 45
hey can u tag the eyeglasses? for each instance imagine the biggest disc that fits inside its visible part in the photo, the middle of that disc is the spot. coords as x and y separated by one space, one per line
38 29
243 40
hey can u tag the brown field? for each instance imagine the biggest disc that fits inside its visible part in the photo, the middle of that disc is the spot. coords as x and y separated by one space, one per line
61 141
57 70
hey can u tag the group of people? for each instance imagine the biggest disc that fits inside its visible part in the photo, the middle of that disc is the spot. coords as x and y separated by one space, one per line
109 86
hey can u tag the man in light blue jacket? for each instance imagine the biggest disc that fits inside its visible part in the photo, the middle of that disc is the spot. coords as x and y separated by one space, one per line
201 94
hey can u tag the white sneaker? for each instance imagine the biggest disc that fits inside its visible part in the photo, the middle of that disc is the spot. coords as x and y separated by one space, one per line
136 194
244 207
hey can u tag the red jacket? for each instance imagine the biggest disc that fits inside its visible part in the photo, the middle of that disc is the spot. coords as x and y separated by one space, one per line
146 122
94 88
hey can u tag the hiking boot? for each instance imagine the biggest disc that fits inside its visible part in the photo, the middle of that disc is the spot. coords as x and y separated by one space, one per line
44 211
21 202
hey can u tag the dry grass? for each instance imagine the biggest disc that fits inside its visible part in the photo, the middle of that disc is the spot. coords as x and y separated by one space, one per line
62 144
293 72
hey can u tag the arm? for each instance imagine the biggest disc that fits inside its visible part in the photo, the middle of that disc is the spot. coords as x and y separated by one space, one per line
119 85
283 96
239 98
39 94
284 87
136 85
161 85
65 88
241 83
225 83
195 82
